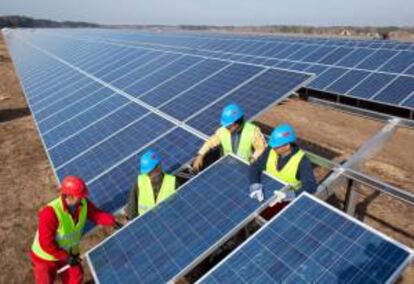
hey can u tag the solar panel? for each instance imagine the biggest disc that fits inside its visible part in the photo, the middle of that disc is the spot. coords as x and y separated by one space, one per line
389 58
155 247
93 102
263 91
312 242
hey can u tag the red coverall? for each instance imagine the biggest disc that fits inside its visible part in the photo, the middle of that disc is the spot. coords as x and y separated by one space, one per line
45 271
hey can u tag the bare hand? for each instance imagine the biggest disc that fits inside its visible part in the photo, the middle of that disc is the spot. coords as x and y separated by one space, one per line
198 163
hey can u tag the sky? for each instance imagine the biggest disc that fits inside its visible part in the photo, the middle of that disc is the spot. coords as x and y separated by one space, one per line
220 12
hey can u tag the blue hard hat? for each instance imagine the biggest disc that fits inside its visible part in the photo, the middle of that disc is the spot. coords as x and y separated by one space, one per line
282 135
231 113
149 161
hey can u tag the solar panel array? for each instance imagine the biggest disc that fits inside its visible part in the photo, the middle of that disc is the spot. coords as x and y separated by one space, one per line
311 242
372 70
157 246
98 106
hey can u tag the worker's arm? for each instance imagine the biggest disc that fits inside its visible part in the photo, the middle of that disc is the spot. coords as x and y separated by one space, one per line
131 208
258 143
48 225
256 168
306 176
210 144
100 217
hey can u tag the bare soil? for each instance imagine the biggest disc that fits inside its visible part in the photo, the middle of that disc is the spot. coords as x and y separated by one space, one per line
27 182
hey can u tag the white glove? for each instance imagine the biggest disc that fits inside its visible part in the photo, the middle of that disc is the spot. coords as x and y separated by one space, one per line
290 195
256 192
279 196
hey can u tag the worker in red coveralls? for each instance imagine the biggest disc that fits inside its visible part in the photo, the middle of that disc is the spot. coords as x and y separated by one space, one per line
60 228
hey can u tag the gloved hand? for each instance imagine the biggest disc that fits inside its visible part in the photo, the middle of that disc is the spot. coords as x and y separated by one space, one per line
74 260
198 163
279 196
290 195
256 191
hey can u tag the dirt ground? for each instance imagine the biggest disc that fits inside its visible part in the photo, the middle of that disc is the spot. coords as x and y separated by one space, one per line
27 181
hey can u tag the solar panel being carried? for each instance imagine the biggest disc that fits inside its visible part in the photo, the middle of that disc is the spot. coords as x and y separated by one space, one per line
180 231
99 105
312 242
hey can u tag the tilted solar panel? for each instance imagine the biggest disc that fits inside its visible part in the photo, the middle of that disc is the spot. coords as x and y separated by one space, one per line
155 247
311 242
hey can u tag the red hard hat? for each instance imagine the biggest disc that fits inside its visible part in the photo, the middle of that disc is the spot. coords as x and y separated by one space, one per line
74 186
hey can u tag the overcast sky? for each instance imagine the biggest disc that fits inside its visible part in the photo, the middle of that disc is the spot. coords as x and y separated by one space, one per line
220 12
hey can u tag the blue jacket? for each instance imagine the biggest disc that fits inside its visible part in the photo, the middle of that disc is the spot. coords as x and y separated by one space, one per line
304 174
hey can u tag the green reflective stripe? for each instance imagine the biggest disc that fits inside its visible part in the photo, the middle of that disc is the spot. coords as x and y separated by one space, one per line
146 200
37 249
68 234
244 150
288 173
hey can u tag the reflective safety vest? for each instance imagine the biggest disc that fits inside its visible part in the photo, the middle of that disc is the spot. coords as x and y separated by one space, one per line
146 198
68 234
289 171
244 150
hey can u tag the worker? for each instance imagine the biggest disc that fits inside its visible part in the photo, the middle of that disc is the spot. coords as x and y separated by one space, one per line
284 160
61 223
151 187
234 136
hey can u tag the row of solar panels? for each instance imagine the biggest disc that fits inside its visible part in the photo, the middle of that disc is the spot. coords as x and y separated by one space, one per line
375 74
173 237
230 41
309 242
99 106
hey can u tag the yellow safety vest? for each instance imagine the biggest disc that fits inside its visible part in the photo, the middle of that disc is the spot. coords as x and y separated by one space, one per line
244 150
146 199
68 234
288 172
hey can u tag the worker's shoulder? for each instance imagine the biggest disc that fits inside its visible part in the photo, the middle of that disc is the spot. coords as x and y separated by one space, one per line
47 212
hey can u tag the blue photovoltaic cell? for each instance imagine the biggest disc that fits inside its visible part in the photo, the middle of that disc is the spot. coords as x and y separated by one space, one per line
335 56
317 69
300 66
67 99
303 52
155 247
96 132
284 64
183 82
409 102
399 63
75 108
78 122
110 191
410 71
255 96
162 75
318 54
143 70
355 58
397 91
347 82
121 71
112 150
326 78
310 242
377 59
371 85
210 90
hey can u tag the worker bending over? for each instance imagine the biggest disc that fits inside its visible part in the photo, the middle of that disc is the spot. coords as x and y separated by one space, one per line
234 136
284 160
61 223
152 186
